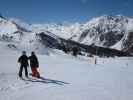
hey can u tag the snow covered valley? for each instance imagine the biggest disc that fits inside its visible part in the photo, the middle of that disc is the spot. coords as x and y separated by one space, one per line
65 77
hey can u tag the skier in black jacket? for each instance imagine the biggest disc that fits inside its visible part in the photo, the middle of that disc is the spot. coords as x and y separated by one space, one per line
23 60
34 64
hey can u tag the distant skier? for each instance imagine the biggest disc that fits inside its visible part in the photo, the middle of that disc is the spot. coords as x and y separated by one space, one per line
23 60
34 64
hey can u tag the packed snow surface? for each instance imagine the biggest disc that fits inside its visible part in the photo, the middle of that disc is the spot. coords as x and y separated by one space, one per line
65 77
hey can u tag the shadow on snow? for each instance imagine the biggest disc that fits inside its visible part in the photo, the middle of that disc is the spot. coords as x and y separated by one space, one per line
46 81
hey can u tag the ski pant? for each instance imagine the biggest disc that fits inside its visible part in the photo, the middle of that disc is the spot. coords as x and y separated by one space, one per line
21 70
35 72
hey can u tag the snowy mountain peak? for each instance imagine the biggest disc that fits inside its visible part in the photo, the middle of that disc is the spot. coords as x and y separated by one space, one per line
6 26
105 31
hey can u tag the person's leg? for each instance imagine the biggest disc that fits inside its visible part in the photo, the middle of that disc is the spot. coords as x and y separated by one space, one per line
26 71
20 71
33 71
37 73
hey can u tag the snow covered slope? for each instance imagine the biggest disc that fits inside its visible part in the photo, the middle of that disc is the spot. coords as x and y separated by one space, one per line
6 26
107 31
66 30
67 78
17 35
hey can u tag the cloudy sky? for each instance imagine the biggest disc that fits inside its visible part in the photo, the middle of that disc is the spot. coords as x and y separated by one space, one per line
41 11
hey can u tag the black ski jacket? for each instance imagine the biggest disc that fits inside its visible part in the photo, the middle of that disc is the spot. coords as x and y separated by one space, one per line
34 61
23 60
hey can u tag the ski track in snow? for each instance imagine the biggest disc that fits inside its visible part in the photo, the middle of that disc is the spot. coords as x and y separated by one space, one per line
65 77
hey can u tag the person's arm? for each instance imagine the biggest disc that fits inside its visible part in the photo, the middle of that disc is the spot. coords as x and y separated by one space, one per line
19 59
37 62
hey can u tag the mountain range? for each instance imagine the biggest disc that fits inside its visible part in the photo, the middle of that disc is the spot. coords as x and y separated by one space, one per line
114 32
